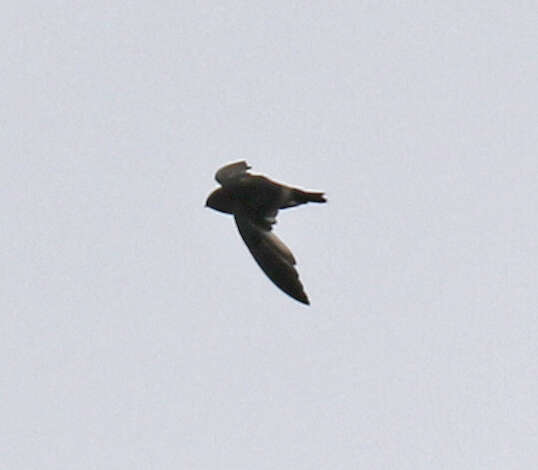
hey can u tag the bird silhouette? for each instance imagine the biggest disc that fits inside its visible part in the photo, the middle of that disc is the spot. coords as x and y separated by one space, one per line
254 201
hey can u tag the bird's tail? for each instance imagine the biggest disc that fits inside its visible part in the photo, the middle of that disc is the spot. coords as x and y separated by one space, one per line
305 196
298 197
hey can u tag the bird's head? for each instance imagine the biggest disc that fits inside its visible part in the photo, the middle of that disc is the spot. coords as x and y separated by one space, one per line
220 200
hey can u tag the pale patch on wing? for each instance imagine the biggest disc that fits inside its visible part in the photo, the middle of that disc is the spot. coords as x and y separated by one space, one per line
231 172
273 256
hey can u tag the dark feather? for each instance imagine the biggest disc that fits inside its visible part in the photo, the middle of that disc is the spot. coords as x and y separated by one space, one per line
275 258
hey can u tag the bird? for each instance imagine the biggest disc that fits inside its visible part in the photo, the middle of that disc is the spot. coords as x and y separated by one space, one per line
254 201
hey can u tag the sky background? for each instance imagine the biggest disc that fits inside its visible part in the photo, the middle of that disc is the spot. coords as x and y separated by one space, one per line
137 331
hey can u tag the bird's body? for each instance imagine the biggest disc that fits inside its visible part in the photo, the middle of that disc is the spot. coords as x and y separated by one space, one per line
255 200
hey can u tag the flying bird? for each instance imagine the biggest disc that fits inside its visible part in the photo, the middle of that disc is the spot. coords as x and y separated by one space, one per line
254 201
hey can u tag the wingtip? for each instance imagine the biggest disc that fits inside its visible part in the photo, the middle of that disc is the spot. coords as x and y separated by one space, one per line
242 162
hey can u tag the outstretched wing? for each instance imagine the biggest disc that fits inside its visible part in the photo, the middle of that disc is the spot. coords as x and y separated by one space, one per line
231 172
275 258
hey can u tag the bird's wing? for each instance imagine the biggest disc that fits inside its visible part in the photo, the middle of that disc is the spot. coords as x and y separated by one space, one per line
275 258
231 172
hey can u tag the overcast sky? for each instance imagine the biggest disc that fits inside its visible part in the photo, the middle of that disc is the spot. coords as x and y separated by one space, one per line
136 330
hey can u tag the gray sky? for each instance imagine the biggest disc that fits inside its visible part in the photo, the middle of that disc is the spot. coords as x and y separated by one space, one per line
136 330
